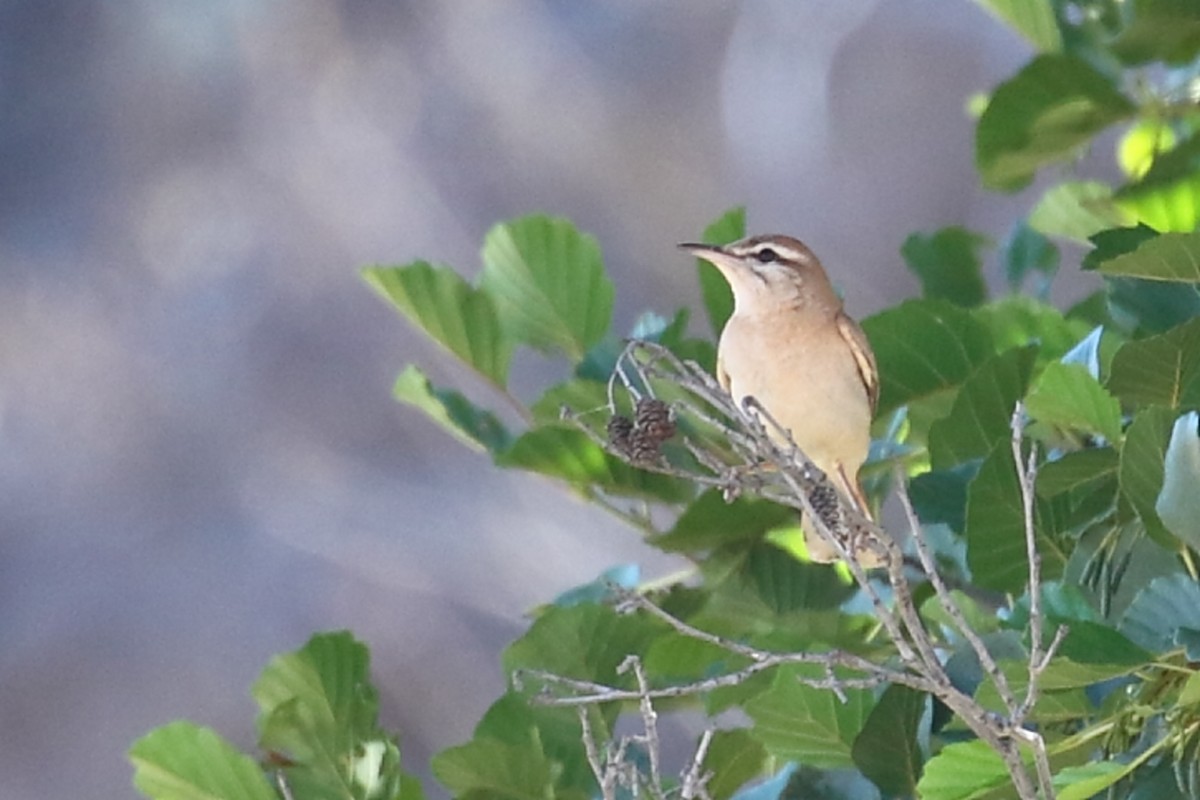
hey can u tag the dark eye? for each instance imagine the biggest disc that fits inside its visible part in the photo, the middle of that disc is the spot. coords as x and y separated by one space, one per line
766 255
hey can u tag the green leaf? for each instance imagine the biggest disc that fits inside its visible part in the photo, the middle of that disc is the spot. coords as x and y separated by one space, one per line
549 284
184 761
711 522
586 642
1033 19
471 425
1141 472
1052 107
1067 396
962 771
734 757
1077 210
786 584
453 313
948 264
1108 244
1169 257
1017 320
1142 144
1160 609
1160 370
582 396
317 706
887 749
982 412
996 527
1178 505
1161 30
923 347
798 723
718 297
568 454
489 768
1028 251
1088 780
538 733
1152 306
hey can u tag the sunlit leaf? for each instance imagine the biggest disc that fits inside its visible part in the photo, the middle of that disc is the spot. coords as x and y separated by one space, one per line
718 297
1160 370
1077 210
1055 104
1088 780
799 723
924 346
1033 19
1018 320
948 264
887 750
1178 504
473 426
962 771
982 412
184 761
549 284
1167 196
1142 144
452 312
1067 396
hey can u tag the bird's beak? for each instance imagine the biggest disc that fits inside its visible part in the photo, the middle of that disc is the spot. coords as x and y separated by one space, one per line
705 251
718 256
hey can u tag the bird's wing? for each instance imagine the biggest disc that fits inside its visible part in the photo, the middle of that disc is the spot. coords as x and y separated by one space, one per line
864 357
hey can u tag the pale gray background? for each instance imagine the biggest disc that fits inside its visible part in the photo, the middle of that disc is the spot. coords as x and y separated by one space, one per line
200 463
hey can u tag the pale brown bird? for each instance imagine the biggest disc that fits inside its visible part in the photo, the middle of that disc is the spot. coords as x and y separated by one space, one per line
791 346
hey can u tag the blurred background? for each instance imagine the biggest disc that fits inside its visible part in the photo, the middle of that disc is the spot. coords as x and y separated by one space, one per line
200 462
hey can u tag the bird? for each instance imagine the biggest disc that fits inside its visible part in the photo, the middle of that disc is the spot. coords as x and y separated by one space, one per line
791 346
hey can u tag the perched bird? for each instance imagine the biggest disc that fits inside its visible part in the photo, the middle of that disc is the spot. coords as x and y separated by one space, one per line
790 345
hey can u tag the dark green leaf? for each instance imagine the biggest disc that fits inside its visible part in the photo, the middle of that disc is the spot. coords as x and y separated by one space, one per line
1052 107
947 262
535 731
568 454
1168 257
1161 30
1152 306
1028 251
786 584
796 722
1141 472
1160 609
473 426
675 658
718 297
982 412
184 761
1067 396
941 495
1077 470
734 757
1033 19
887 749
1178 504
1160 370
1077 210
711 522
924 346
453 313
996 551
1109 244
549 284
